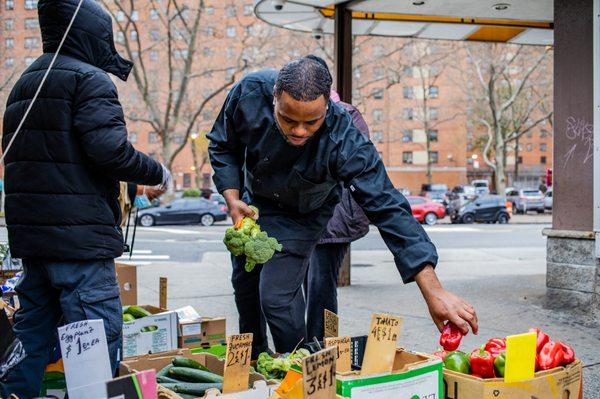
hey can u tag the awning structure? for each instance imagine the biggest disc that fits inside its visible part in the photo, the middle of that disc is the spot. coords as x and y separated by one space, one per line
512 21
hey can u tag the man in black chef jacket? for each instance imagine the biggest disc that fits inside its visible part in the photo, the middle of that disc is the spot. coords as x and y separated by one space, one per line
281 144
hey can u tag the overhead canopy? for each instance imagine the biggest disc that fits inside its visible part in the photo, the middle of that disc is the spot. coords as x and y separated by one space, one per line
512 21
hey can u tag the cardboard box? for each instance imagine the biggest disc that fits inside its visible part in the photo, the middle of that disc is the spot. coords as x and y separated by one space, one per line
164 338
558 383
413 375
214 364
204 332
127 277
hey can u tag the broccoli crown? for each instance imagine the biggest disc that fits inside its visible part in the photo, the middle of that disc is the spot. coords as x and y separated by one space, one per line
259 251
235 240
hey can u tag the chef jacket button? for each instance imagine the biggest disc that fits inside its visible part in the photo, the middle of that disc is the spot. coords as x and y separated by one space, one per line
266 159
276 195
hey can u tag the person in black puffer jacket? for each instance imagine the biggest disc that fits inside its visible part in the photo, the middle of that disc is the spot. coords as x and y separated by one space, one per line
62 185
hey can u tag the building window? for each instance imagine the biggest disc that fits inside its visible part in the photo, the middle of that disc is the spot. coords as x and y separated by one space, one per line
31 4
229 52
120 16
377 136
378 72
9 42
135 15
407 71
543 133
248 9
210 10
231 11
209 31
154 35
29 60
520 159
357 73
407 135
529 134
153 137
180 53
529 147
434 92
378 51
133 137
543 160
543 147
10 4
9 24
433 113
377 115
407 157
9 62
154 56
378 94
433 135
231 31
32 42
407 92
187 180
207 51
433 157
120 37
32 23
134 35
154 13
407 114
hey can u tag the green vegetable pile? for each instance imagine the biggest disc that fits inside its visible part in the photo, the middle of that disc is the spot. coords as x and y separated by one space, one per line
246 238
188 378
277 368
132 313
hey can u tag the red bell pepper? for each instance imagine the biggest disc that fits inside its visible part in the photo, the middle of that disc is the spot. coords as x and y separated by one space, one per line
482 363
542 338
451 337
551 355
441 354
569 354
495 346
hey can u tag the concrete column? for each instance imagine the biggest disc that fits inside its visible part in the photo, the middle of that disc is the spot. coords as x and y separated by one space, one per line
573 278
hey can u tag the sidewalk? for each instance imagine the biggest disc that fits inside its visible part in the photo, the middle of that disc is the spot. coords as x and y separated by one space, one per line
506 286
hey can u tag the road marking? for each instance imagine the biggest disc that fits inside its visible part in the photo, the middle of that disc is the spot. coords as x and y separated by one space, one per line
171 231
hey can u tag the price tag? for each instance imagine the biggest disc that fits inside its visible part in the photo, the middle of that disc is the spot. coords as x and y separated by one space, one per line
85 355
520 357
318 375
237 363
331 324
343 363
162 293
381 344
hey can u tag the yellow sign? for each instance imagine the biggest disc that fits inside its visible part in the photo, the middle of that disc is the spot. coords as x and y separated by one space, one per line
520 357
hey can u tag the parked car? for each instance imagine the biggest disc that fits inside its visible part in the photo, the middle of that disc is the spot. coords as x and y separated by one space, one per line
404 191
548 199
462 191
527 199
425 210
482 187
435 192
183 211
482 209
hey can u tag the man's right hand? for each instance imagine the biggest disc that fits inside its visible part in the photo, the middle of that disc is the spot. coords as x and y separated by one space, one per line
238 209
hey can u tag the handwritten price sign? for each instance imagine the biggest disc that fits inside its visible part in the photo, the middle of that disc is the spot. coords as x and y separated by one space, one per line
381 344
318 373
237 363
331 324
343 362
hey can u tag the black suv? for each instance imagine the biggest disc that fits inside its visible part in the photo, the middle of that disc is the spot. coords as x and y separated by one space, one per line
484 208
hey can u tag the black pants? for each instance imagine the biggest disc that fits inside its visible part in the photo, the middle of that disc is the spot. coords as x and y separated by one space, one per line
272 294
321 285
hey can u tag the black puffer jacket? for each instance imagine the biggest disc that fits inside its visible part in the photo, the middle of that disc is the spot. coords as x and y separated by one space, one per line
62 173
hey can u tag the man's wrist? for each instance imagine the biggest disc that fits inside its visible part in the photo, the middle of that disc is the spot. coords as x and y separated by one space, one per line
231 195
427 280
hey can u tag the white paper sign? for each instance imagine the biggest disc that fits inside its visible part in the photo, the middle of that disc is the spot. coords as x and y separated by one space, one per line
85 356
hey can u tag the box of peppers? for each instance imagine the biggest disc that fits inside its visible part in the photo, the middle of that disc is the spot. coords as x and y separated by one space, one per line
480 373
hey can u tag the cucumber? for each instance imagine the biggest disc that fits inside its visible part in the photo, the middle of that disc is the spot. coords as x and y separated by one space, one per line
128 318
138 312
181 361
126 308
193 375
166 380
164 371
191 388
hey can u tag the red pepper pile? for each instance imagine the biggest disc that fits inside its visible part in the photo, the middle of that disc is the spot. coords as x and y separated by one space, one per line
488 361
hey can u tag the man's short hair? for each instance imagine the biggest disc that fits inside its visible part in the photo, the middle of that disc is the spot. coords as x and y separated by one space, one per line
304 79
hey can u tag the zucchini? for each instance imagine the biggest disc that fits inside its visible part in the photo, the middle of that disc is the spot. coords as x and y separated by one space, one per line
164 371
191 388
181 361
138 312
193 375
161 379
128 318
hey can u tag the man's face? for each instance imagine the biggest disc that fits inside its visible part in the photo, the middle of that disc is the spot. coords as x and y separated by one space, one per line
299 120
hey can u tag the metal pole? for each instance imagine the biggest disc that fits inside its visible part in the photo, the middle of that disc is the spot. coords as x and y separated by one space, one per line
596 52
343 52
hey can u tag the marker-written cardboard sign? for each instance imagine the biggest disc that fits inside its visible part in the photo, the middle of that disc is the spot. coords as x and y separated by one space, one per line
318 374
343 362
331 324
85 356
237 363
381 344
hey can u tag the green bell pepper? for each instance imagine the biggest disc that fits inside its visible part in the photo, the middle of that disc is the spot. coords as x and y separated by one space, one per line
458 361
500 364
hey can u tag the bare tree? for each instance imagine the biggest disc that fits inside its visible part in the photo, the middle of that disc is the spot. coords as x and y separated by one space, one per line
507 102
